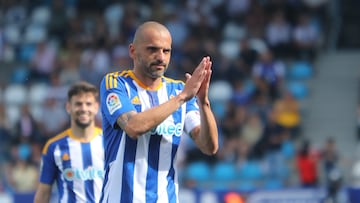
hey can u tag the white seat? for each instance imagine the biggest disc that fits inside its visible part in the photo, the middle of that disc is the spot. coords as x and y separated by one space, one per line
233 31
230 49
220 90
114 13
41 15
38 92
12 34
36 111
35 33
13 113
15 94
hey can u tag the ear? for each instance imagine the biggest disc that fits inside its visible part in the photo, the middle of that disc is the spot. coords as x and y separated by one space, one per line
131 50
68 108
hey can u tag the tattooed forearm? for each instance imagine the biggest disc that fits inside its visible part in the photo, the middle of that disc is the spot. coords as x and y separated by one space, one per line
124 119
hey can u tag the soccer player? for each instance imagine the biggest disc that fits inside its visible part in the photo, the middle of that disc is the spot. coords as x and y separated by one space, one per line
145 114
75 157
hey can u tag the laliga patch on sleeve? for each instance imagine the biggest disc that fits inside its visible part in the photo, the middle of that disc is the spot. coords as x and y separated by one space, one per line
113 102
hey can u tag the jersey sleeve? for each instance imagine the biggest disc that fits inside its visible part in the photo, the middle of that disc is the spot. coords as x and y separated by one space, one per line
48 168
114 98
192 116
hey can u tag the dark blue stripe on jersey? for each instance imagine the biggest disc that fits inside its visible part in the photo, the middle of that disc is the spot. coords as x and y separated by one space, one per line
153 161
106 178
153 168
154 99
67 164
87 161
128 171
171 176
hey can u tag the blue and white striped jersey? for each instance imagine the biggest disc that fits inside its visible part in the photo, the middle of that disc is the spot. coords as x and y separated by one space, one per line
77 167
142 170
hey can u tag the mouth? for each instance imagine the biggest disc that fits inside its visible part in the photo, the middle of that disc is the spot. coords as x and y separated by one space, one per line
158 65
83 116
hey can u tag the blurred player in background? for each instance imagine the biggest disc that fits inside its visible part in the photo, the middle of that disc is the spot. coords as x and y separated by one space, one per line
144 115
74 159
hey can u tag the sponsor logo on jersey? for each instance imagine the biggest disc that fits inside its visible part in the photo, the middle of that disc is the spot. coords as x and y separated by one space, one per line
113 102
90 173
167 129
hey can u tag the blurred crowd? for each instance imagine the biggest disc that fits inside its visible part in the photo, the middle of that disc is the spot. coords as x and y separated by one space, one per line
256 47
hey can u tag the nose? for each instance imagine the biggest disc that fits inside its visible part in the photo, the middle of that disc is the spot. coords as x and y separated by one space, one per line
82 107
160 56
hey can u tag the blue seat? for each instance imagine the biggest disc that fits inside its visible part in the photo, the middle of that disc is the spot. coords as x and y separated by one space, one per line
288 149
251 170
198 171
224 171
224 176
246 186
301 70
298 89
273 184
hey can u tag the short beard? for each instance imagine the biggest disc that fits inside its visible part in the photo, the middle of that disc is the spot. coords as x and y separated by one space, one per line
82 125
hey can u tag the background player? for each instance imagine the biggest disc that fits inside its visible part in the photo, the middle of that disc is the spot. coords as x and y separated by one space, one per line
75 157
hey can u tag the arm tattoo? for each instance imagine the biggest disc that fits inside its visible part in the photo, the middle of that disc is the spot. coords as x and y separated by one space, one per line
124 119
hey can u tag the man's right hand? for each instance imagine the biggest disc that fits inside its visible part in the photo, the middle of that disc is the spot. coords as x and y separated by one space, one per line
194 81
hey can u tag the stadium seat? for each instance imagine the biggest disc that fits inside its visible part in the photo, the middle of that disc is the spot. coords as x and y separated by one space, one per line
41 15
220 91
233 31
288 149
15 94
251 170
224 171
187 196
38 93
35 34
273 184
12 34
300 70
246 186
224 175
12 113
199 172
229 49
208 197
113 14
20 75
299 89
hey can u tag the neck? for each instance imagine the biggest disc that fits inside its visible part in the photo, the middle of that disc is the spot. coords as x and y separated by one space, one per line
83 134
148 82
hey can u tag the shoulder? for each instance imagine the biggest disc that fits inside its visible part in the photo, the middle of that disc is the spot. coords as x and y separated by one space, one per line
174 82
51 143
112 80
98 131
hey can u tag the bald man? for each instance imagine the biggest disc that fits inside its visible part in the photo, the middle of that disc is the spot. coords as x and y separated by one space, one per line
144 116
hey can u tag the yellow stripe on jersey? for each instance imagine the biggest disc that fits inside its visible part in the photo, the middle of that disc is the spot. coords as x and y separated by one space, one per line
54 139
115 78
107 81
111 80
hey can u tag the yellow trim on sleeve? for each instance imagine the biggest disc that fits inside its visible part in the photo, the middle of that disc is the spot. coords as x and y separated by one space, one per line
54 139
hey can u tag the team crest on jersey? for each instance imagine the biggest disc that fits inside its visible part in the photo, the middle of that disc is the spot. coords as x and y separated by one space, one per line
113 102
